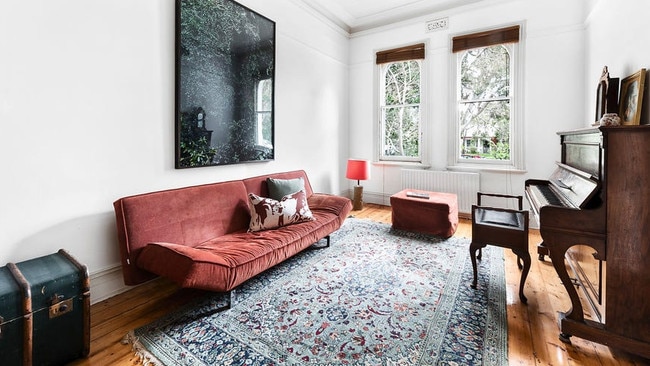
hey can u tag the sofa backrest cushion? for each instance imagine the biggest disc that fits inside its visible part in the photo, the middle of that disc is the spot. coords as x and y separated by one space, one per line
258 185
279 188
186 216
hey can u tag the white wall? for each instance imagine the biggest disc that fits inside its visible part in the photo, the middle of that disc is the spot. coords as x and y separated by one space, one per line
553 84
86 109
617 37
87 96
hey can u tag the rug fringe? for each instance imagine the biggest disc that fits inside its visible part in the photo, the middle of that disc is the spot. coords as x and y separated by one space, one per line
144 356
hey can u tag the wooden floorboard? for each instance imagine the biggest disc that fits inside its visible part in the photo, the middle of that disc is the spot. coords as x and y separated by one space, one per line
532 328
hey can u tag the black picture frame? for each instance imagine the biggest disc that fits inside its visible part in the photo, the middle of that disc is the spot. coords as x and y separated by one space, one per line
225 84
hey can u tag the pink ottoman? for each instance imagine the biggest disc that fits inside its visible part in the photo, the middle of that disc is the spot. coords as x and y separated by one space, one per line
426 212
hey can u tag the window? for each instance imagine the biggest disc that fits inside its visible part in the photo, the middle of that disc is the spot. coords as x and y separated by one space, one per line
400 111
488 128
264 108
400 131
484 103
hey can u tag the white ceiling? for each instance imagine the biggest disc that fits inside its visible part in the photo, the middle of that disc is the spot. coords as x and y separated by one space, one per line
358 15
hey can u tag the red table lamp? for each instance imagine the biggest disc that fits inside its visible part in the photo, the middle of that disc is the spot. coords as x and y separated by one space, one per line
359 170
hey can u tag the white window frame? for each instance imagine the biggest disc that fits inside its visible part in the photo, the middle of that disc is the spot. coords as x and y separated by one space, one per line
423 158
516 161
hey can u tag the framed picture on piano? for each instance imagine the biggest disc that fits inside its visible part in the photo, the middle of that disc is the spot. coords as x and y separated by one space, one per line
631 98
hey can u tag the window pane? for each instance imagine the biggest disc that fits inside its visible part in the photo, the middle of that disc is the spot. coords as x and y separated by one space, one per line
400 111
401 131
485 130
402 83
485 73
484 107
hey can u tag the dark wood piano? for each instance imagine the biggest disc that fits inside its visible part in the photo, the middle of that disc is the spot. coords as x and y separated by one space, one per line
594 219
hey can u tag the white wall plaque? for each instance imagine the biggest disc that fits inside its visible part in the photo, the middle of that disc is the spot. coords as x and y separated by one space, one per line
437 24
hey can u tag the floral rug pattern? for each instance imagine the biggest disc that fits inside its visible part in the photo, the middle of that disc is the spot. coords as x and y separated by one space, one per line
376 296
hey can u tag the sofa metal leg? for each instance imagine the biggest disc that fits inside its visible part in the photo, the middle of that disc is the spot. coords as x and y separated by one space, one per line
322 247
232 297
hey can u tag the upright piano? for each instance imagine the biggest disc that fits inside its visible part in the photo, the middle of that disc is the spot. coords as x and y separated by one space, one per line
594 219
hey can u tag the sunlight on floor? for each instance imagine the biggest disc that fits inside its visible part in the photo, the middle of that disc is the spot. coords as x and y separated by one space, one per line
512 295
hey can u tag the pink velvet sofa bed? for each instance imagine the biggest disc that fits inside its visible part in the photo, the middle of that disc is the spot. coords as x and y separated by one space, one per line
200 237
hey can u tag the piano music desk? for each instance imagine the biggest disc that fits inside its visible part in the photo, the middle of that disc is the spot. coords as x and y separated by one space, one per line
434 213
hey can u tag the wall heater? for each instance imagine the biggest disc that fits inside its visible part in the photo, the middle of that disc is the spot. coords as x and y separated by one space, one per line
465 185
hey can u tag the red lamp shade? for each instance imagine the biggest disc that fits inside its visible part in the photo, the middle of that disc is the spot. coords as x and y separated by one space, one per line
358 169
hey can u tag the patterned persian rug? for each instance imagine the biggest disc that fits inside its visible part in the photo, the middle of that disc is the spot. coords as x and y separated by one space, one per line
376 296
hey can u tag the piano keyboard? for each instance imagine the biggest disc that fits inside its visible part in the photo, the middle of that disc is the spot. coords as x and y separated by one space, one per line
546 196
543 195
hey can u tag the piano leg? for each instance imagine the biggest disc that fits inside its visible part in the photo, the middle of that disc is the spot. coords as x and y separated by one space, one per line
542 250
565 338
575 313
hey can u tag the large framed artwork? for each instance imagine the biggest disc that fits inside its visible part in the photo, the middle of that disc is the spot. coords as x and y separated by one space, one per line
225 68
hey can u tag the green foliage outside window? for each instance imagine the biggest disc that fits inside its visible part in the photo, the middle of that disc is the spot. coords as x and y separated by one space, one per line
401 109
484 107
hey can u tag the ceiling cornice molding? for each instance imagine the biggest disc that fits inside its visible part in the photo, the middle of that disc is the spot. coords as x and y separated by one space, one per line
426 16
324 16
406 12
335 14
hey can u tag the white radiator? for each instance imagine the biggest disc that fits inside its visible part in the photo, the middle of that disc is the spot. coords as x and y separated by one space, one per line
465 185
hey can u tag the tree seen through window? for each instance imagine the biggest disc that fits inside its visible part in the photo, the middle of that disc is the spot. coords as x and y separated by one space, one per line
400 110
485 103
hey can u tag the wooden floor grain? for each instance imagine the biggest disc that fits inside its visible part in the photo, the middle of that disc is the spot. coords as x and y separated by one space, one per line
532 328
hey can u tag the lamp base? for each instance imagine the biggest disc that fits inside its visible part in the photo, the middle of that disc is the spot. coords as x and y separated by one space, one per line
357 201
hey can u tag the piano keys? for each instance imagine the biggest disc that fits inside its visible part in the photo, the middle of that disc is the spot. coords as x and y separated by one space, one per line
544 195
595 206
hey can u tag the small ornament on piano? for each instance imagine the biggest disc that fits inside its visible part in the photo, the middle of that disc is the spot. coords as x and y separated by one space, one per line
610 119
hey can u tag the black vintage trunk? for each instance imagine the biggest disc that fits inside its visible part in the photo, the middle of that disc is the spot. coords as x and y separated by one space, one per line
45 307
12 323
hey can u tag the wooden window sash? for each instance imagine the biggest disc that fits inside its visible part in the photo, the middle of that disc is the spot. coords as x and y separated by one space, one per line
487 38
413 52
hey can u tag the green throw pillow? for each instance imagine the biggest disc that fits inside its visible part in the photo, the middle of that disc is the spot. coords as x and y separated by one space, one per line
279 188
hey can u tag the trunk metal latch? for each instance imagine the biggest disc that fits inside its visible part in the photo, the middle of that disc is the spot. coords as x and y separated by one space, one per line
59 307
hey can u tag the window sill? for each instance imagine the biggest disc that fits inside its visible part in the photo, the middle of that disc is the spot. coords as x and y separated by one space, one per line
486 168
405 164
